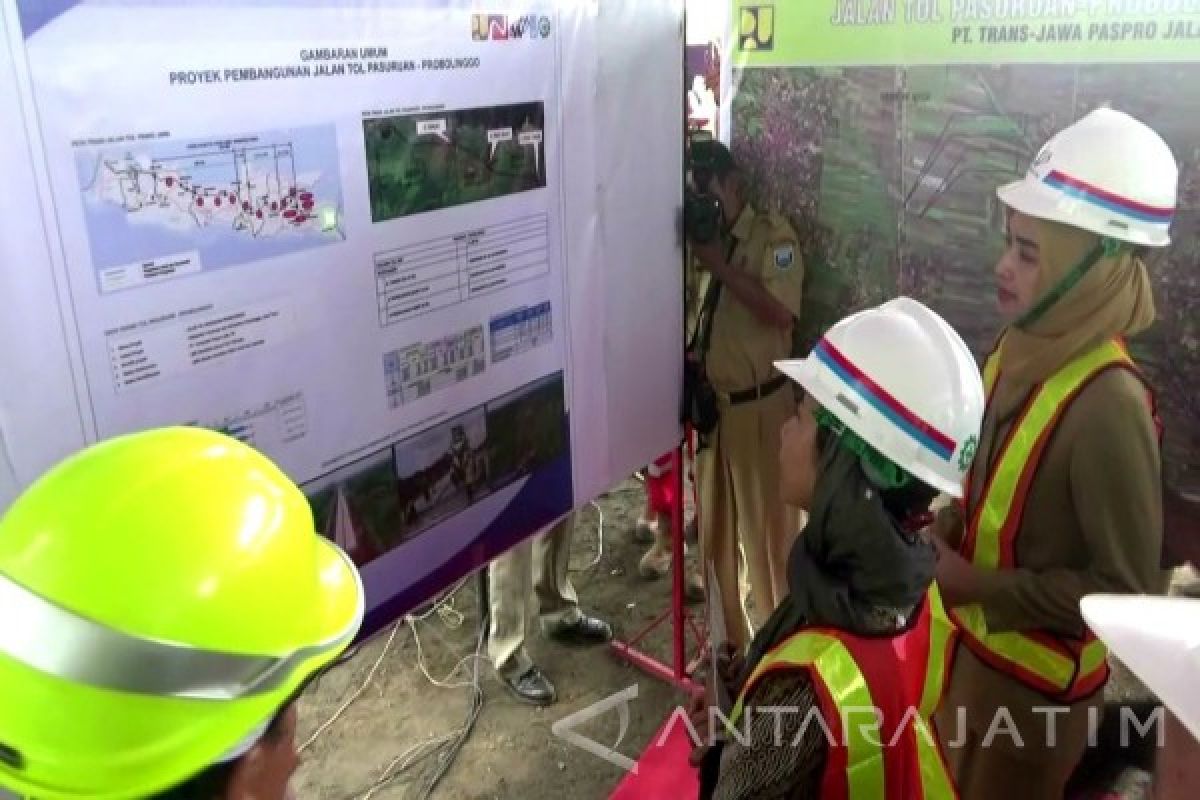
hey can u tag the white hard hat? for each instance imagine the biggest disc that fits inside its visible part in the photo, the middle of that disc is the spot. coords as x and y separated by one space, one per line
1158 639
1109 174
901 378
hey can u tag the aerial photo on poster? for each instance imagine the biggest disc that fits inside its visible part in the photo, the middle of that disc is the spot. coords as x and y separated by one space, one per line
428 161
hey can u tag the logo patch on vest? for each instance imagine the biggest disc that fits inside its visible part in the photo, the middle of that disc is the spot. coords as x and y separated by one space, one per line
784 256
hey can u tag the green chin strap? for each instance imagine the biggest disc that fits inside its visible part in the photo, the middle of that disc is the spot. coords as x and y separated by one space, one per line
1107 248
880 471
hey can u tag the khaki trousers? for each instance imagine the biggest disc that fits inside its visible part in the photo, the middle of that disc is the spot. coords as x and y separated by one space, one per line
535 567
741 511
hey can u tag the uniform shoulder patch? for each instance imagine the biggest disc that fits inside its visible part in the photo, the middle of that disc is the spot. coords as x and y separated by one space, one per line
785 255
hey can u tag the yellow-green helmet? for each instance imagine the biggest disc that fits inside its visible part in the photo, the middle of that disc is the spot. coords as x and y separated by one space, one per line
163 595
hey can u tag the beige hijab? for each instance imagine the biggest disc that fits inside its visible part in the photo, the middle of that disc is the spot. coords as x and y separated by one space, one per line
1113 298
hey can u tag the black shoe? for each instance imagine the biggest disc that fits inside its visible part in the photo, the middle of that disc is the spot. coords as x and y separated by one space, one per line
584 631
532 687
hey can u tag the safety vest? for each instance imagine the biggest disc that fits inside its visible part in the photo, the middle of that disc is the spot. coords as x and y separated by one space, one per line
876 696
1064 669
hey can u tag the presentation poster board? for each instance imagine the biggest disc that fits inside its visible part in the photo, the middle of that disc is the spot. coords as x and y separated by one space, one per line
882 129
369 239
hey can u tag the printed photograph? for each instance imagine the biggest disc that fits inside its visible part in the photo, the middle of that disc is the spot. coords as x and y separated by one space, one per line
526 429
441 471
429 161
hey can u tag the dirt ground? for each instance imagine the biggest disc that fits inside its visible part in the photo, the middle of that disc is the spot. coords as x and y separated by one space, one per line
512 752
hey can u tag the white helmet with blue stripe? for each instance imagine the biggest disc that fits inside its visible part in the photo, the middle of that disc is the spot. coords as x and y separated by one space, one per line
905 383
1109 174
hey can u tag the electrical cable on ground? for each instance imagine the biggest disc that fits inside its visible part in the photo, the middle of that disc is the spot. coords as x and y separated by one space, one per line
443 607
475 708
342 708
446 746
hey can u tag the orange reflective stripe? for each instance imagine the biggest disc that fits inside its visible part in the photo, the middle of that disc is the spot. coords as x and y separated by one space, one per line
906 762
997 508
1094 657
941 632
1017 460
849 692
1055 668
1045 662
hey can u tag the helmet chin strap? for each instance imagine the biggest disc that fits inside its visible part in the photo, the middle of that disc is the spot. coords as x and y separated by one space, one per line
878 469
1107 247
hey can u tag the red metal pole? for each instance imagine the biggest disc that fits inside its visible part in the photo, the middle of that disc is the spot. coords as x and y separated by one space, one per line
678 565
676 674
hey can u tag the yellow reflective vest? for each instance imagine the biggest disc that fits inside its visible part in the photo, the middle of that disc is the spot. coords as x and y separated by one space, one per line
1064 669
876 696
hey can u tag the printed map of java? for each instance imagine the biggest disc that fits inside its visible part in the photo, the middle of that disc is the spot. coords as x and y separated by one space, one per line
227 200
265 196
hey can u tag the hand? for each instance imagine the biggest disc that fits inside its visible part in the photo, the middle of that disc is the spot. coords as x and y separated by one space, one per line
699 717
730 663
729 669
948 524
956 577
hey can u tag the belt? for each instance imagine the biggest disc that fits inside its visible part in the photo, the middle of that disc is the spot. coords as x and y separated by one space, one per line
757 392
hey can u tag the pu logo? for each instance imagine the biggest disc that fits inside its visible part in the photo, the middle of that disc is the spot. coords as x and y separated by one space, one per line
756 28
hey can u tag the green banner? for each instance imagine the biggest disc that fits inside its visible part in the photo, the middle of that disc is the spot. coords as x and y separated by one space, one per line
910 32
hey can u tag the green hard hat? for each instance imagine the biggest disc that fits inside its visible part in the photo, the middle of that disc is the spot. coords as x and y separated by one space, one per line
165 594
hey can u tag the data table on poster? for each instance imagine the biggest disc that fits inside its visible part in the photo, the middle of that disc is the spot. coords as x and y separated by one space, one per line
520 330
422 369
433 274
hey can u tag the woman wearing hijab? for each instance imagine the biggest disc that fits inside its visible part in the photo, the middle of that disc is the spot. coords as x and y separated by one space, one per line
836 693
1065 496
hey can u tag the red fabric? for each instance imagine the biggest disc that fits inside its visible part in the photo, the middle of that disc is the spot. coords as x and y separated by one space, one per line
663 773
834 784
661 490
894 668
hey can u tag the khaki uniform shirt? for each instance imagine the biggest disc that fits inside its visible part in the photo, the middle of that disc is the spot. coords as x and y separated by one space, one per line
742 349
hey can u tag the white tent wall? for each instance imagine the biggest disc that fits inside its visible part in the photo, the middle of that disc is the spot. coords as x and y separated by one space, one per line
638 137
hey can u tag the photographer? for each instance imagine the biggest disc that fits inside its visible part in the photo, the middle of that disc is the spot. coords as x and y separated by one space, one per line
748 272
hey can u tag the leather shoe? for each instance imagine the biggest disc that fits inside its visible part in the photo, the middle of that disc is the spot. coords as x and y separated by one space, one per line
583 631
532 687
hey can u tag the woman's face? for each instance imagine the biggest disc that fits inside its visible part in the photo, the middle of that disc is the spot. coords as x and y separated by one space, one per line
1017 270
798 456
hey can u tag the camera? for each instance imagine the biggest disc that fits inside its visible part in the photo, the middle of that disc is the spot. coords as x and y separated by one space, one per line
701 216
701 211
